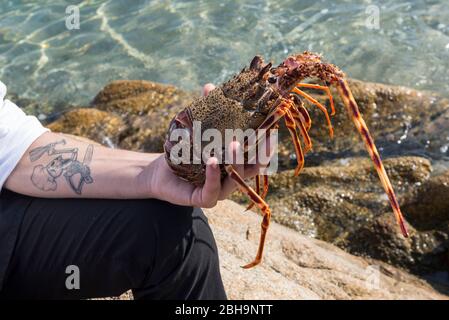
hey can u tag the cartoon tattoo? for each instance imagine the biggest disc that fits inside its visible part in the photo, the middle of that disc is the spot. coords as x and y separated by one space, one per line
76 173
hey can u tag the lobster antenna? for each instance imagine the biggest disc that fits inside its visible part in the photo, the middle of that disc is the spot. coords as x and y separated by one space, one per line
353 109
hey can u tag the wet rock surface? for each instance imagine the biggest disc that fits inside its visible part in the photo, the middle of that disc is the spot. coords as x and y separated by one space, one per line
338 197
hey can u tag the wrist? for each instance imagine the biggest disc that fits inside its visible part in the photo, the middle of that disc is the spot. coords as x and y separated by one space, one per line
145 181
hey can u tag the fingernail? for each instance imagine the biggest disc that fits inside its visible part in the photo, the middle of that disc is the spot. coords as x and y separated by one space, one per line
213 162
208 87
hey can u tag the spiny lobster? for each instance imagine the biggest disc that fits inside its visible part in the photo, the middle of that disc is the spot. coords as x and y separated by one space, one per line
258 98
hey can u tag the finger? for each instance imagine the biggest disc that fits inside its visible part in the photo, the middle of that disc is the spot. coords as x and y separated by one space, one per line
207 196
208 87
235 156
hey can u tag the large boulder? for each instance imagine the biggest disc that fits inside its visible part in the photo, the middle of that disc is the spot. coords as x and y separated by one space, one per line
134 114
100 126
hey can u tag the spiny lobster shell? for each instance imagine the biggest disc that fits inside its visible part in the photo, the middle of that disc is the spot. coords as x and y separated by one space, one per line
235 104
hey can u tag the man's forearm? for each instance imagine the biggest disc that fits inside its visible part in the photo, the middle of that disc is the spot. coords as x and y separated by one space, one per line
58 165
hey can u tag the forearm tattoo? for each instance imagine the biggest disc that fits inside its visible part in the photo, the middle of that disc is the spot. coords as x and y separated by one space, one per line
63 162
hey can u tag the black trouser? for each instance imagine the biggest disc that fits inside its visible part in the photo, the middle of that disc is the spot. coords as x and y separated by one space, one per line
159 250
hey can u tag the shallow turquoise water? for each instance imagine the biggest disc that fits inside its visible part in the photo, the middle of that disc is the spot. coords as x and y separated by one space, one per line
188 43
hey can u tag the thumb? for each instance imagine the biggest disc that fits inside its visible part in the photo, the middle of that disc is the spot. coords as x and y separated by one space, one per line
208 87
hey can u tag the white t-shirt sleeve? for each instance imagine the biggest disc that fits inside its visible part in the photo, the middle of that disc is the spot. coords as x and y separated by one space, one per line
17 132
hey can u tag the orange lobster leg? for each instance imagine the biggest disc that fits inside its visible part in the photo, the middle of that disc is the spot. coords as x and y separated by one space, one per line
276 114
305 115
319 105
271 121
257 181
265 188
263 206
299 120
324 88
360 124
291 126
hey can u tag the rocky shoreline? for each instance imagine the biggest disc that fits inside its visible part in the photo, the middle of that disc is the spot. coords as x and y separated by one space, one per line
337 197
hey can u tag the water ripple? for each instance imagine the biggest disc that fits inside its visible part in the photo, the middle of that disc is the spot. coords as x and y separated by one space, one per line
188 43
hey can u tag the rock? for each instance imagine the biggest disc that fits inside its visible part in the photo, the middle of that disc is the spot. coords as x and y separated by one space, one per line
145 107
342 202
423 253
427 250
298 267
429 208
392 113
137 96
433 135
103 127
333 200
379 239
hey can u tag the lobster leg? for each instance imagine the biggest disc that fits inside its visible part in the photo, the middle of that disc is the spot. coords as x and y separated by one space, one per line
271 121
360 124
291 126
265 189
265 186
299 120
257 181
324 88
304 115
263 206
276 114
319 105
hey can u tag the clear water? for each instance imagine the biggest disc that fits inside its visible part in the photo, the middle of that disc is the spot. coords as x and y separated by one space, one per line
188 43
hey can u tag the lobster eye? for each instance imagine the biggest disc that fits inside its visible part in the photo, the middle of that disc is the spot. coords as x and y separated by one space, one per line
272 79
